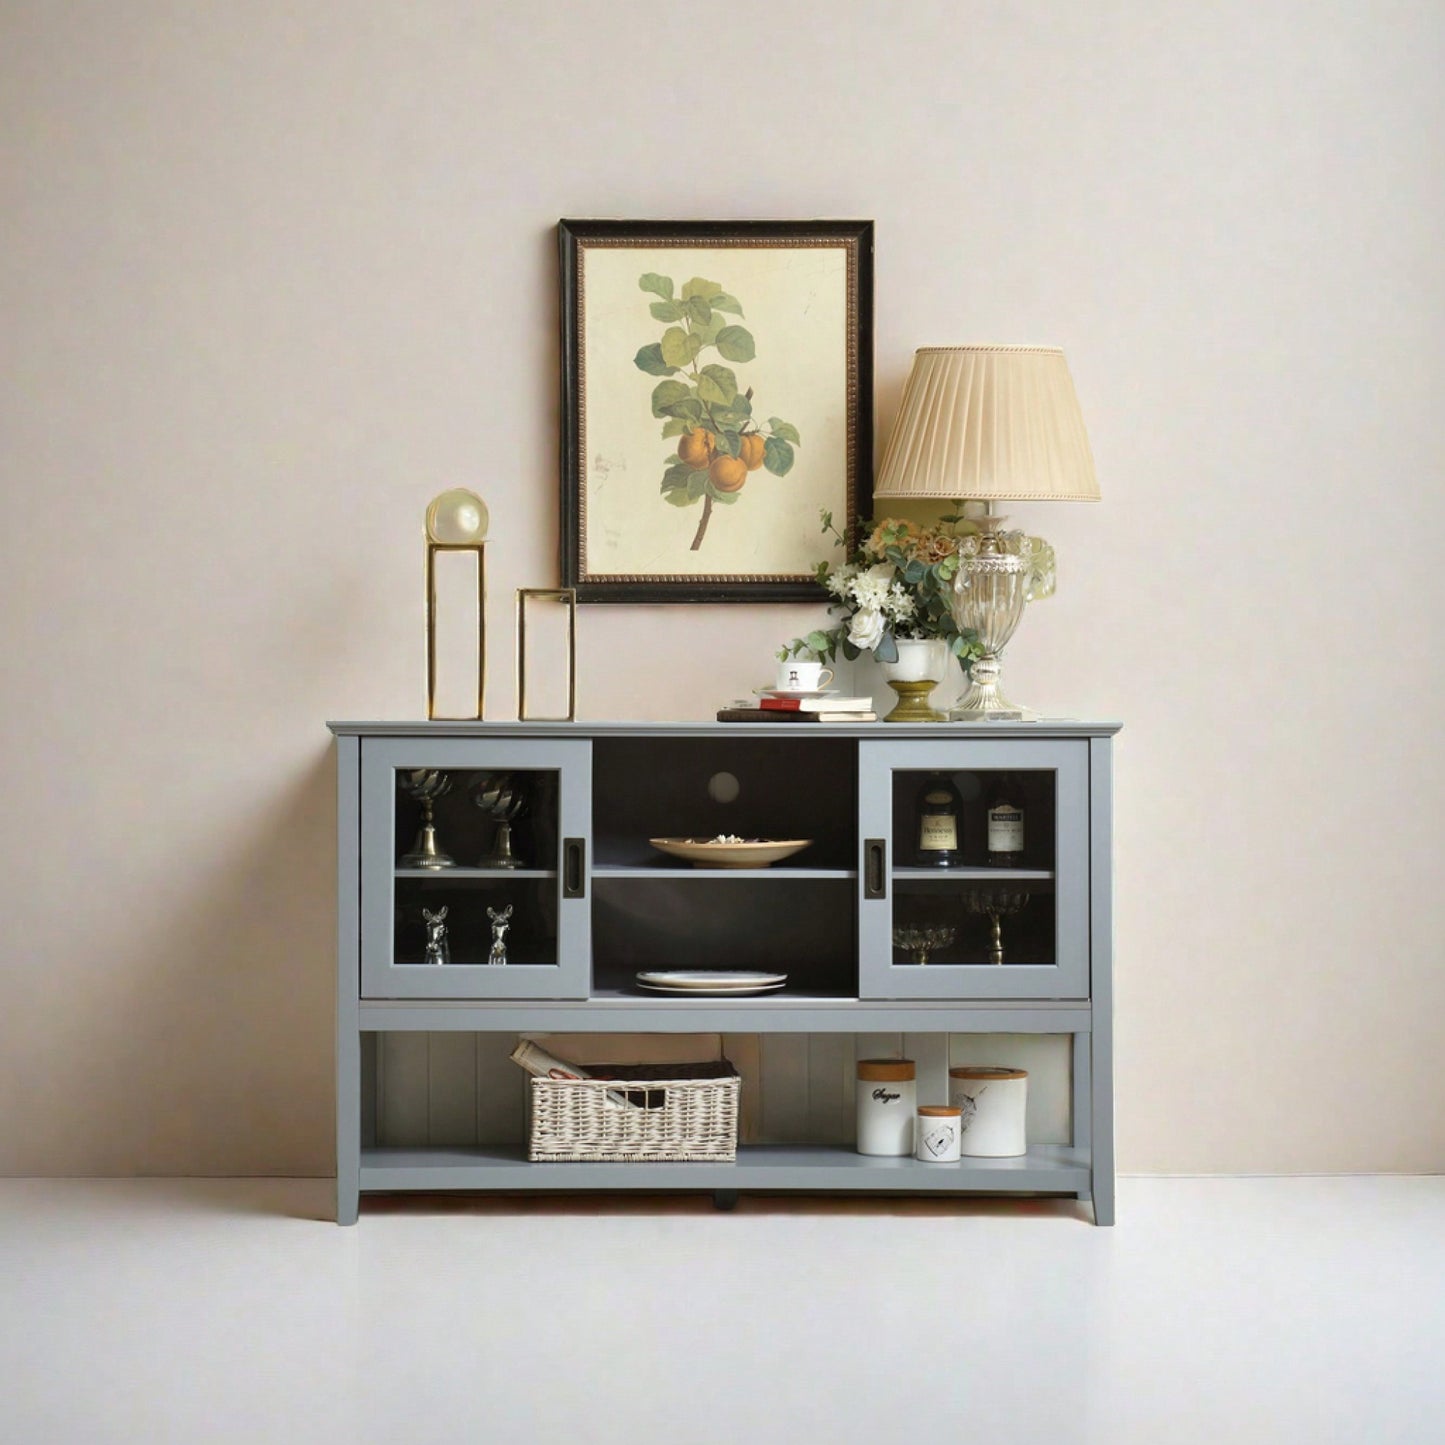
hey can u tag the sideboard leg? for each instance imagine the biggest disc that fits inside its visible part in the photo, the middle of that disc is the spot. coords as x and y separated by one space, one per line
725 1199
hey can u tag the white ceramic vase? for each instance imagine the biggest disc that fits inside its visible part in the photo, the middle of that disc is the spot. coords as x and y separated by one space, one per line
921 664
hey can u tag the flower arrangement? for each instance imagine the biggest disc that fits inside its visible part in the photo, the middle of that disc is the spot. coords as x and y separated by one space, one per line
896 584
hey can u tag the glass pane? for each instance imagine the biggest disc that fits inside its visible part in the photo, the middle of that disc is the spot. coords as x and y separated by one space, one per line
476 866
973 868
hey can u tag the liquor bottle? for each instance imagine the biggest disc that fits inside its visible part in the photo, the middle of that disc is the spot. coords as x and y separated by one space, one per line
939 810
1006 821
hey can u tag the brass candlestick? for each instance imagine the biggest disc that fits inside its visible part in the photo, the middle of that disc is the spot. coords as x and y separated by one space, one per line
426 785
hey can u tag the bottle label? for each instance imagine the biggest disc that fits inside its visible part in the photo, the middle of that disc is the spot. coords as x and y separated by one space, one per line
1006 830
938 833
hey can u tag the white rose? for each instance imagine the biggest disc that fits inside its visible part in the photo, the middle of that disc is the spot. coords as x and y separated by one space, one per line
865 631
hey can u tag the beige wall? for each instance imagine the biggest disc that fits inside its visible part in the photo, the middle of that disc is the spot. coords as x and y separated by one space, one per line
274 273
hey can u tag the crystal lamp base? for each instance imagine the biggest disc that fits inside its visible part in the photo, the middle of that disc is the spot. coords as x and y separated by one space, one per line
984 701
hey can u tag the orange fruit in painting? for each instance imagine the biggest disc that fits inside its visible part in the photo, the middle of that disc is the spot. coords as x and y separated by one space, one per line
751 447
696 448
728 473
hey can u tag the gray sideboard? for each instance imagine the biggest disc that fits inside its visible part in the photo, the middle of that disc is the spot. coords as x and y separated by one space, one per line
592 903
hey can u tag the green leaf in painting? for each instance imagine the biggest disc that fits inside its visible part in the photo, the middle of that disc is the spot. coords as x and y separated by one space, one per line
666 310
689 410
674 477
786 430
697 484
679 496
728 444
736 343
717 383
669 394
724 302
650 360
658 285
678 348
708 330
726 498
698 287
675 427
777 456
698 309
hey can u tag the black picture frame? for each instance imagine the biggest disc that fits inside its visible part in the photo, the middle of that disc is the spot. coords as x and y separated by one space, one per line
854 493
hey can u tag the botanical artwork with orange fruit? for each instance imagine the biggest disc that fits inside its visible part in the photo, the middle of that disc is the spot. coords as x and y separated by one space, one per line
703 403
716 396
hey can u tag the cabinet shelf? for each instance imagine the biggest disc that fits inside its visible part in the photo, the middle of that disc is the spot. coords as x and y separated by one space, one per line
605 871
498 874
975 875
1045 1168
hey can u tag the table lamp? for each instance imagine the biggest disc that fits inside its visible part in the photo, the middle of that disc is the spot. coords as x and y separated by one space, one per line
986 424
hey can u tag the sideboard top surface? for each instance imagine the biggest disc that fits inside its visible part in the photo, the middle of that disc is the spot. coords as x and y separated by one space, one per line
467 728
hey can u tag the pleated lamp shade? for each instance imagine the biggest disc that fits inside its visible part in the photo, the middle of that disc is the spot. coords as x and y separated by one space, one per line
989 423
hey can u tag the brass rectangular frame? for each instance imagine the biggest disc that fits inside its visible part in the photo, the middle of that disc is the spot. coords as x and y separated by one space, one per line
432 548
550 594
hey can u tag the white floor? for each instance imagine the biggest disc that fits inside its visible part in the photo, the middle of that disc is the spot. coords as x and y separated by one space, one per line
1235 1311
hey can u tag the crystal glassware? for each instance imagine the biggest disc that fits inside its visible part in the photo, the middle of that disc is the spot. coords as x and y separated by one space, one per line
995 904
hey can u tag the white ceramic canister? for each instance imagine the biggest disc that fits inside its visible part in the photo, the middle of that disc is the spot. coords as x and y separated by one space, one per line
937 1134
993 1110
887 1097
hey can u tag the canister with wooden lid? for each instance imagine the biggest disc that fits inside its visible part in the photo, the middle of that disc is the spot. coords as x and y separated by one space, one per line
993 1110
887 1095
936 1136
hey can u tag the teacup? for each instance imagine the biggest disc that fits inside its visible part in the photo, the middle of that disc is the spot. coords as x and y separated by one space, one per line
797 676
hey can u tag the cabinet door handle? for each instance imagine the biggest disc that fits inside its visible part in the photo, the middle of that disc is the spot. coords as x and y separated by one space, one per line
875 867
574 868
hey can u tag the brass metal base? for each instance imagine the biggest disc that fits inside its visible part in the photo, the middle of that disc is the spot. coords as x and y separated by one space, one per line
913 703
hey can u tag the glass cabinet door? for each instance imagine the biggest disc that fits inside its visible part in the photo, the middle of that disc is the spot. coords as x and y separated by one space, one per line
474 868
974 869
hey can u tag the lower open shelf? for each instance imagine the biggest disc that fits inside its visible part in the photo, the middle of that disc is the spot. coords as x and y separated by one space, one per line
1045 1168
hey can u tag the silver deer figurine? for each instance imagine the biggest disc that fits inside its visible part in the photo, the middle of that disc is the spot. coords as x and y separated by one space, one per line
438 949
497 958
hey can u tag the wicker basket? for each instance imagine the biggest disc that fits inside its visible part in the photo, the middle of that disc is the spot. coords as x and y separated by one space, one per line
630 1112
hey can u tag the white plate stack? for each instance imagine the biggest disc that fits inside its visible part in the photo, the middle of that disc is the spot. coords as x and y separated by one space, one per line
713 982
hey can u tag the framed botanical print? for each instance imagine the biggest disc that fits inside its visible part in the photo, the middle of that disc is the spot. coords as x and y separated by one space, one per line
717 395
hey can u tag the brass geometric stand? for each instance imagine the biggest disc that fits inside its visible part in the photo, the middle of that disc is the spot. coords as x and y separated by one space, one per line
547 594
432 548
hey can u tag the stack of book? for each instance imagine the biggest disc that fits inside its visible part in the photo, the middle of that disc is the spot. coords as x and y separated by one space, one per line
800 709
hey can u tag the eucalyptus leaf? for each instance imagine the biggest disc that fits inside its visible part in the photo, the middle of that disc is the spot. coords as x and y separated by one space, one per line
777 456
658 285
736 343
887 649
650 360
717 383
